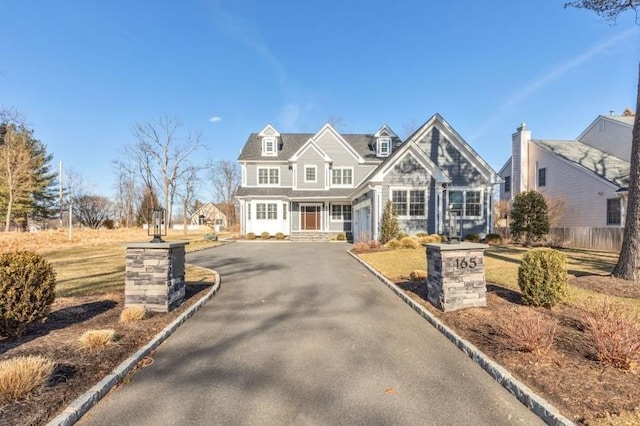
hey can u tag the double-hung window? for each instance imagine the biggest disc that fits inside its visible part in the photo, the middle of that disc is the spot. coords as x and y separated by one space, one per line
542 176
384 147
614 211
269 146
268 176
341 213
266 211
342 177
467 203
310 173
408 203
507 184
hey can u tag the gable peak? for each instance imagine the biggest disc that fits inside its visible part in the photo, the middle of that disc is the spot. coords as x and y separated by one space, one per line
269 131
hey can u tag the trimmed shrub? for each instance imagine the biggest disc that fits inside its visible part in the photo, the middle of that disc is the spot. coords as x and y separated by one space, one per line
493 239
393 244
341 237
613 329
542 277
27 290
251 236
418 275
212 236
437 238
528 330
529 217
409 243
93 340
265 236
21 375
279 236
133 314
422 234
402 235
474 238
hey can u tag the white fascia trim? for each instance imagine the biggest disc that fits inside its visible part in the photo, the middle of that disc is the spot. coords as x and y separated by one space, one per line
421 158
269 130
390 133
329 128
310 143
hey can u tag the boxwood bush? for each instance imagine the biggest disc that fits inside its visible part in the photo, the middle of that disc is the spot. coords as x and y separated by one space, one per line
27 290
265 235
251 236
542 277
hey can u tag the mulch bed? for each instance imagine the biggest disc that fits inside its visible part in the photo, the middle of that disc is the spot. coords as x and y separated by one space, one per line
78 370
567 376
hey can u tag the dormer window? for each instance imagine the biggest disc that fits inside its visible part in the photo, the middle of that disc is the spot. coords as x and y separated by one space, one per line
384 147
269 146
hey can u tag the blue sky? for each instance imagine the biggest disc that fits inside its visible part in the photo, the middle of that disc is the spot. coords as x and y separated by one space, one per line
84 72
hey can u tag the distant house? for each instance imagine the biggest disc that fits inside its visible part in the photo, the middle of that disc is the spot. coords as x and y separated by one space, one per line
591 173
304 184
210 214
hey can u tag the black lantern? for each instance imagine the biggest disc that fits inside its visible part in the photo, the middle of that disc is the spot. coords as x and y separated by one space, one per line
157 227
454 222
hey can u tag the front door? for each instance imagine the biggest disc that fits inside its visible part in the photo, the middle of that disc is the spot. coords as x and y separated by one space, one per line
310 218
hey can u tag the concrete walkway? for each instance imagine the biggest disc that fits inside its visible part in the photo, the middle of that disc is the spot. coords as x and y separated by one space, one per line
300 333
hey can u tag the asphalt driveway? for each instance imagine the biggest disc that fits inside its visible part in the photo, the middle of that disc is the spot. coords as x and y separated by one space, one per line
300 333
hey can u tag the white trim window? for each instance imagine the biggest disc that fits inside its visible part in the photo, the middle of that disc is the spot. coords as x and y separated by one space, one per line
341 213
342 176
266 211
284 211
269 146
310 174
467 202
409 202
384 147
268 176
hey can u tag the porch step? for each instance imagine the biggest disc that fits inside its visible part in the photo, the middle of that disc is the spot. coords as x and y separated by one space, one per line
311 236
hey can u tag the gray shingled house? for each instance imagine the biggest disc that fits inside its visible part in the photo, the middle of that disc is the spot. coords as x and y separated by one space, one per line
313 186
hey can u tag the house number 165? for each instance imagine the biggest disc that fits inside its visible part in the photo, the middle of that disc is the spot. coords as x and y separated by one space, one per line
464 263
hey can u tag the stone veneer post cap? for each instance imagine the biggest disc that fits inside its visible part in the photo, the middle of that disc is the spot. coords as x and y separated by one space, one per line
165 245
465 245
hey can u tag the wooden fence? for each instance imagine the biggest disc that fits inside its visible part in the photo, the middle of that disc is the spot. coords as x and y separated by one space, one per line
608 239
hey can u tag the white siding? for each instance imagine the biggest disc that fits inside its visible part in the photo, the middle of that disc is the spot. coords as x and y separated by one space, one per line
610 136
585 193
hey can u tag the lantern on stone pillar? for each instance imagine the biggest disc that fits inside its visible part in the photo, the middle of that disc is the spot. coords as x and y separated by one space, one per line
157 227
453 224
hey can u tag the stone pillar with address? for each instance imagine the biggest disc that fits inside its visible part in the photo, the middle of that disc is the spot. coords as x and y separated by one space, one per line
154 275
455 275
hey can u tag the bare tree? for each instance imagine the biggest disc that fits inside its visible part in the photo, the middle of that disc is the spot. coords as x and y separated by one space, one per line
337 123
128 194
556 206
628 266
225 176
91 210
189 192
161 155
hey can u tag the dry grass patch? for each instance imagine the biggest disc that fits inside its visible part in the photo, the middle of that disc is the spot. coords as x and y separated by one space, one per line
22 375
396 264
94 340
418 275
133 314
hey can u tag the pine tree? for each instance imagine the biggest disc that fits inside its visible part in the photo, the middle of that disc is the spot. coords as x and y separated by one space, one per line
529 217
389 228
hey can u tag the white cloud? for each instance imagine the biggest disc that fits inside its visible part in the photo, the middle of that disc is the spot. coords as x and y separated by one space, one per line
215 119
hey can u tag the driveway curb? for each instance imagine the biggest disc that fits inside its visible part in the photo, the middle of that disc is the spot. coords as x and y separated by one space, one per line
84 402
525 395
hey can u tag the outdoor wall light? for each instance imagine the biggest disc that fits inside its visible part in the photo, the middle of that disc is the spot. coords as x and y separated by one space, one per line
453 224
157 228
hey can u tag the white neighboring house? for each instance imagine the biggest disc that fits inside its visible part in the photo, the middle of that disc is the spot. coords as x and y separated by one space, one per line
211 215
591 172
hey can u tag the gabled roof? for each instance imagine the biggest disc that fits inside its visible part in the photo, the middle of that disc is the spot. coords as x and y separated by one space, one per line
310 144
269 131
408 148
613 118
458 141
290 143
605 166
385 131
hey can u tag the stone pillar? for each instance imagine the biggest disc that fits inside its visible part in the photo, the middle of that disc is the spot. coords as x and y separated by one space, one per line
455 275
154 275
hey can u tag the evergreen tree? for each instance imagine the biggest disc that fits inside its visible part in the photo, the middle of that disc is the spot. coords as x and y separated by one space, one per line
529 217
389 228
